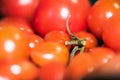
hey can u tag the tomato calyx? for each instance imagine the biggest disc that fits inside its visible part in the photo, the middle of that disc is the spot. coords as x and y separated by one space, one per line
79 44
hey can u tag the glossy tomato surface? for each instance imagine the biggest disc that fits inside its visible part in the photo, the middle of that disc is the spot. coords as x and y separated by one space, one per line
100 12
13 44
111 33
49 52
52 15
19 8
19 23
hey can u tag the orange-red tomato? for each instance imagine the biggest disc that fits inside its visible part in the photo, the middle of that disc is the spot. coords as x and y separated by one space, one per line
100 12
101 55
34 40
48 52
57 36
111 69
81 65
20 23
52 71
13 44
21 70
90 39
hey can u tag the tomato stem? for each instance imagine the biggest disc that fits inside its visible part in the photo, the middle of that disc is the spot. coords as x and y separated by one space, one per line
79 44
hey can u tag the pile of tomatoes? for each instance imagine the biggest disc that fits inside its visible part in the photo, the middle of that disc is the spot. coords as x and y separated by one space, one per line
59 39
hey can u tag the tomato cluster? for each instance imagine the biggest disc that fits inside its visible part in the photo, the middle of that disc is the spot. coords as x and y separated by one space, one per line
59 39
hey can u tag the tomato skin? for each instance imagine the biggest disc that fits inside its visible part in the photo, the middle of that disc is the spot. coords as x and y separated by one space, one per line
111 69
81 65
111 33
19 8
52 15
101 55
91 40
19 23
21 70
13 44
48 52
35 40
52 71
58 36
100 12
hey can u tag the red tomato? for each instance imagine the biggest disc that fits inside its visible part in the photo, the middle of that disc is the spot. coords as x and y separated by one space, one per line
57 36
111 69
21 70
52 71
101 55
111 33
90 39
13 44
48 52
52 15
100 12
20 23
19 8
81 65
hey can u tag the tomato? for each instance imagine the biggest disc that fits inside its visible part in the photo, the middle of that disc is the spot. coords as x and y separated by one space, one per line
57 36
35 40
48 52
20 23
90 39
100 12
111 33
81 65
22 70
13 44
52 15
19 8
52 71
101 55
111 69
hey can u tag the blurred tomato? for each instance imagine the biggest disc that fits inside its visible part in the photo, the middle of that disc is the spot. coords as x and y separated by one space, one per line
52 15
111 33
81 65
100 12
52 71
48 52
57 36
90 39
20 70
34 40
19 8
13 44
101 55
19 23
111 69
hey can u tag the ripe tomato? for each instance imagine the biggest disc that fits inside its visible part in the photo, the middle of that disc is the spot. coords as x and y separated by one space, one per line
101 55
20 23
81 65
111 33
22 70
52 71
57 36
52 15
13 44
48 52
19 8
111 69
35 40
91 40
100 12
